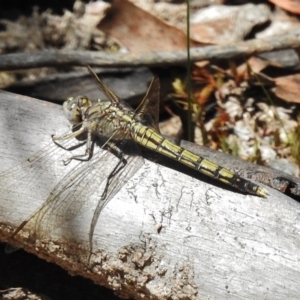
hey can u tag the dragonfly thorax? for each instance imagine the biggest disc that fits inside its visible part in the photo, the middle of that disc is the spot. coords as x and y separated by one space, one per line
110 120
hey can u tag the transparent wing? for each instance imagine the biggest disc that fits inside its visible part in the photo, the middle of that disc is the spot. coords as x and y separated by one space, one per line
127 166
105 89
36 177
148 109
65 188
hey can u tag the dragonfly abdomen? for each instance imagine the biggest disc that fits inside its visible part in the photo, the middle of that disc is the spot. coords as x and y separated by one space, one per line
150 139
125 122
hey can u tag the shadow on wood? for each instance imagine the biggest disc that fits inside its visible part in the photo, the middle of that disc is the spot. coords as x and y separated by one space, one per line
165 235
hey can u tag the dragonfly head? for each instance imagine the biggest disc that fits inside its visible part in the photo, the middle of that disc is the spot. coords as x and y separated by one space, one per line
75 107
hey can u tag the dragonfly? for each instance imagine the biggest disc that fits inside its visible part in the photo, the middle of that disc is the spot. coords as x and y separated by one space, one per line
117 122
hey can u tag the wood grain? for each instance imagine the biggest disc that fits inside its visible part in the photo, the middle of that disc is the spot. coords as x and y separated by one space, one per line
165 235
38 59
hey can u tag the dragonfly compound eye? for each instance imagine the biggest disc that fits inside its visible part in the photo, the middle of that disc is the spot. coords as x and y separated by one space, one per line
72 109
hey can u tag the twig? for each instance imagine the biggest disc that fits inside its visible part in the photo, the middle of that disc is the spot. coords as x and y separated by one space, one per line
81 58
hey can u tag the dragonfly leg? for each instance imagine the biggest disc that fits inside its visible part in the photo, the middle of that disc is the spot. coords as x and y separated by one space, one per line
69 136
88 141
72 147
112 147
88 151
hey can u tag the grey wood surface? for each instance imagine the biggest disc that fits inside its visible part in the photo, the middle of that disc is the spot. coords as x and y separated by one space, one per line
165 235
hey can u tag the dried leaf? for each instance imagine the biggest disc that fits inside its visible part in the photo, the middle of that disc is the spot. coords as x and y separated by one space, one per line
257 64
179 87
140 31
221 24
292 6
203 95
288 88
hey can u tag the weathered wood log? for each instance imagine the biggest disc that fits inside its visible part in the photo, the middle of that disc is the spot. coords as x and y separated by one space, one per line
165 234
38 59
131 84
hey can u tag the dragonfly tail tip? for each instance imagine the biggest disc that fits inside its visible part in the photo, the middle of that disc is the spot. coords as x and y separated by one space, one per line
262 192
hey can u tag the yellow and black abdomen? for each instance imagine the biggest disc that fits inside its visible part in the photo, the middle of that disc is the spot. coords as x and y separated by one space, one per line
150 139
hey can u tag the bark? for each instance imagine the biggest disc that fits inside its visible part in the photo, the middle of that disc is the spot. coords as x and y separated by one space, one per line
38 59
164 235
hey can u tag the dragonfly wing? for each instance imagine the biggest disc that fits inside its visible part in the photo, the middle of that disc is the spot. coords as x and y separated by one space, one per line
45 176
84 181
32 180
148 110
119 176
105 89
